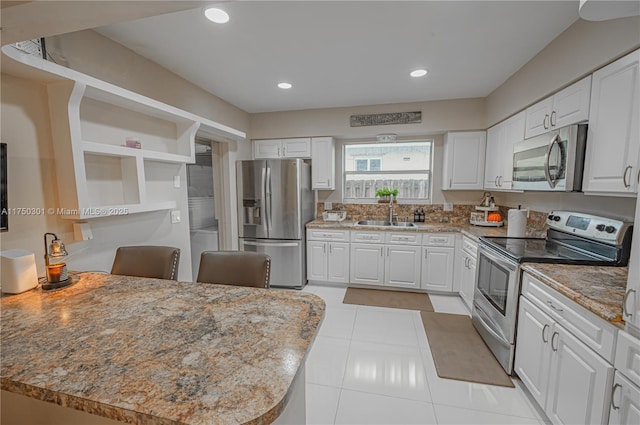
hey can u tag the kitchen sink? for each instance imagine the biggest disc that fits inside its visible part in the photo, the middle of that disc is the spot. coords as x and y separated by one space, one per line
404 224
373 223
384 223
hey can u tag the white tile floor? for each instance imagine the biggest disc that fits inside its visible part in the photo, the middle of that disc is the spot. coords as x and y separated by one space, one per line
371 365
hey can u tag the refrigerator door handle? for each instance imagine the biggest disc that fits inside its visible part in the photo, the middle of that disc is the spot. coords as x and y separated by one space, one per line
271 244
267 199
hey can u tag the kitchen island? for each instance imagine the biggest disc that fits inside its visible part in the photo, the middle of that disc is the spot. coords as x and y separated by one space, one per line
152 351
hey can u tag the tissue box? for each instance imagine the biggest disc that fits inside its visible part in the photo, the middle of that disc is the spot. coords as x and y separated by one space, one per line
17 271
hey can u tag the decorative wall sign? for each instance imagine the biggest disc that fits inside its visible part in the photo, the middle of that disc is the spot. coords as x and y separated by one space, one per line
386 119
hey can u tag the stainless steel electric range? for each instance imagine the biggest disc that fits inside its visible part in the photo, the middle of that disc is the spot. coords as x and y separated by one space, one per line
572 238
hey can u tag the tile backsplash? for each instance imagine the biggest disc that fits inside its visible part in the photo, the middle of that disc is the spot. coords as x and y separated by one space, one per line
536 223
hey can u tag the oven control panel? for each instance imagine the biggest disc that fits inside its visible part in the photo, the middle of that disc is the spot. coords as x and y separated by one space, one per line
590 226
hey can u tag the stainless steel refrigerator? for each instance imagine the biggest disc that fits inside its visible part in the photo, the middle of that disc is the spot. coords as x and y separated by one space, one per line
274 204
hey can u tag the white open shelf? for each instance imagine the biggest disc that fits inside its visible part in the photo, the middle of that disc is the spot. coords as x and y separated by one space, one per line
91 119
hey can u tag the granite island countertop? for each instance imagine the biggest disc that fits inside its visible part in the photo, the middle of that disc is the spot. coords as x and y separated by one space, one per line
156 351
599 289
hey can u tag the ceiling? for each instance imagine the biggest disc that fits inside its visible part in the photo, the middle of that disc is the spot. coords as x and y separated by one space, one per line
348 53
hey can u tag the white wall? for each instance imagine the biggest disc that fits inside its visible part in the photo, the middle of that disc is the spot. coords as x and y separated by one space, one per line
32 178
32 184
584 47
437 117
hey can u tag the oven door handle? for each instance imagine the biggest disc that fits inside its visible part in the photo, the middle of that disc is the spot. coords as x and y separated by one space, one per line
487 252
487 324
547 159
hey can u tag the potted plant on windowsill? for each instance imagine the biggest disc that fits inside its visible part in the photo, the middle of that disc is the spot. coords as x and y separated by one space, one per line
385 195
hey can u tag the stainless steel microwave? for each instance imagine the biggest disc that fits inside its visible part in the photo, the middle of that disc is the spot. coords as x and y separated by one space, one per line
553 161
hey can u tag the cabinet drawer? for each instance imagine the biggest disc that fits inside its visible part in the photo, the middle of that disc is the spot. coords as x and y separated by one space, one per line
367 236
470 247
599 335
628 356
403 238
438 239
327 235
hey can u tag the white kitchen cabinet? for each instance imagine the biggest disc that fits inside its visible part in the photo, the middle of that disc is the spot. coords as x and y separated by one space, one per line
566 376
316 260
438 256
402 266
532 359
323 163
466 270
396 263
568 106
625 402
498 172
625 397
464 156
282 148
367 264
631 305
612 162
437 268
327 257
579 382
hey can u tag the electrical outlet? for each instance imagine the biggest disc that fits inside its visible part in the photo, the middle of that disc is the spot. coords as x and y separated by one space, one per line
175 217
447 206
328 206
176 182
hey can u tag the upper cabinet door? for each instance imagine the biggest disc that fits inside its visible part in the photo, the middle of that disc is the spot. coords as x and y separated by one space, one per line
323 163
494 156
296 148
513 133
266 148
538 118
571 105
568 106
282 148
613 139
464 160
498 172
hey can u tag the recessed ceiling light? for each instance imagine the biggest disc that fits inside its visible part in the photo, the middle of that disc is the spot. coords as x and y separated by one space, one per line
284 85
216 15
418 73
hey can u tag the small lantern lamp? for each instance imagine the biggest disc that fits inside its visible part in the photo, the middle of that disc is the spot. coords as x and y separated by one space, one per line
57 274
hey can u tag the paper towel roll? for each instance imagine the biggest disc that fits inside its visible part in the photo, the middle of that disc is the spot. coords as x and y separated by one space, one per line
517 224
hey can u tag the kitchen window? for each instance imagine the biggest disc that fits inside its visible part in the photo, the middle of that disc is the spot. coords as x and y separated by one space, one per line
402 165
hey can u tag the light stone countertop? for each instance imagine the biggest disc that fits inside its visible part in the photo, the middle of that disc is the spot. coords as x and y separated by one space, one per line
156 351
599 289
469 230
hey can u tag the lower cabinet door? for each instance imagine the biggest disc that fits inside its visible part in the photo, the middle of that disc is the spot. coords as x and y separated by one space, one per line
580 382
402 266
367 264
338 262
467 267
437 268
316 260
533 350
625 402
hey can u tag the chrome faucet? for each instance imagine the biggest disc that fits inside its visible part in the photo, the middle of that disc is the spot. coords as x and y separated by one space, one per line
391 213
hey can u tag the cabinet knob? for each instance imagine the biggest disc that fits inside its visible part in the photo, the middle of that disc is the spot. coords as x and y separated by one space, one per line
551 120
544 122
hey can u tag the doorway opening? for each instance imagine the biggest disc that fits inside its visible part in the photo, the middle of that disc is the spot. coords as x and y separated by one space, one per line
203 219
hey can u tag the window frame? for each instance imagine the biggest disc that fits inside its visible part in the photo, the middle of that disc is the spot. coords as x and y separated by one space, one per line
401 200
